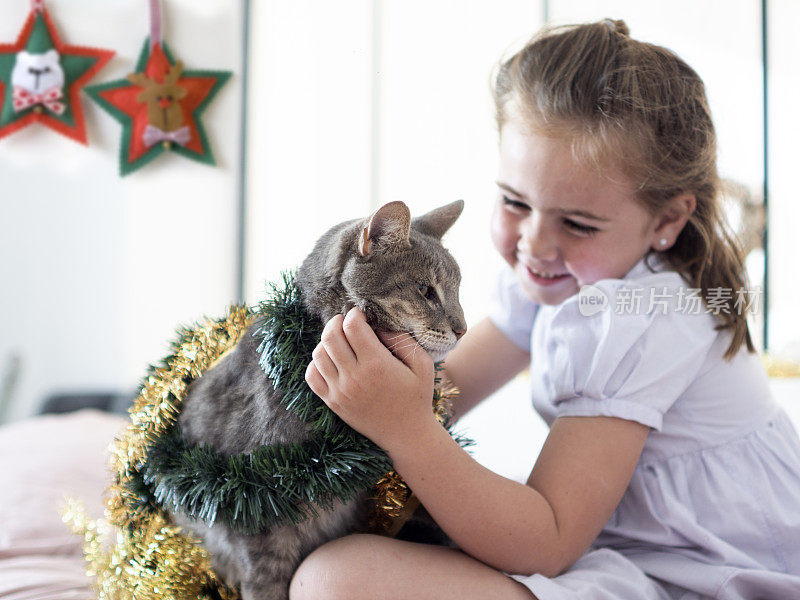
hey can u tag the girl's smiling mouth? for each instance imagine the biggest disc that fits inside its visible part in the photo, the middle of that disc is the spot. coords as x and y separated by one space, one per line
543 277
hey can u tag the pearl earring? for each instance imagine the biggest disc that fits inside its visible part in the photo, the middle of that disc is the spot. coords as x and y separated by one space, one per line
663 241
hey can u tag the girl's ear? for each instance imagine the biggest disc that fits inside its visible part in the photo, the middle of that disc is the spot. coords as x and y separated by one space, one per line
672 220
387 228
436 222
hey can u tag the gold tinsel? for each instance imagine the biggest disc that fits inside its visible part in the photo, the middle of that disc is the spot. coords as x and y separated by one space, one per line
141 556
151 561
779 368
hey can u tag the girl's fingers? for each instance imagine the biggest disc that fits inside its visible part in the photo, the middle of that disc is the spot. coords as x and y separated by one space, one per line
361 337
336 344
316 381
324 364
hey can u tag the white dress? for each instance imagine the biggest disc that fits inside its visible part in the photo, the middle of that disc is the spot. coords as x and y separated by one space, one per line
713 508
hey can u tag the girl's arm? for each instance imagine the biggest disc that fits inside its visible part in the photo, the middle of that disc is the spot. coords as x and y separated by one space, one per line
542 527
482 362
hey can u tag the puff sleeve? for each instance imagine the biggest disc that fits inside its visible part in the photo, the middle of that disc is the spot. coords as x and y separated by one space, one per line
512 312
632 366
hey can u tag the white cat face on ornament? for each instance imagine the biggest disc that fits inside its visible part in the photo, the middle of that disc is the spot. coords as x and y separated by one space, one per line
38 72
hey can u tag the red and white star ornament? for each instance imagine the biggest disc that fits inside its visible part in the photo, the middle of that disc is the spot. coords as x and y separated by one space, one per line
41 78
159 104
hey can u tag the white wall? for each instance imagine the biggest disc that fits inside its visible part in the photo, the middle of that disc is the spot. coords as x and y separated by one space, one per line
97 270
784 198
356 103
309 129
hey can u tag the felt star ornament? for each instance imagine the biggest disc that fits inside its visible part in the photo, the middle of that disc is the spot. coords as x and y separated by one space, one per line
159 106
41 78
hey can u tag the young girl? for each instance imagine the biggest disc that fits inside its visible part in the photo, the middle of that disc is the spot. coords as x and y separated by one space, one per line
669 471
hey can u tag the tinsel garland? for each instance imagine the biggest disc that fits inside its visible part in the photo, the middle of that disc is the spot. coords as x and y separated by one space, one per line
270 486
780 367
149 557
135 553
288 337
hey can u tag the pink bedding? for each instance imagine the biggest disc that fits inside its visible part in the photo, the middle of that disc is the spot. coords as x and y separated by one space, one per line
42 461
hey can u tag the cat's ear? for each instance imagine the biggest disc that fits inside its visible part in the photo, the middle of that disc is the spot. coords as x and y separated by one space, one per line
387 228
439 220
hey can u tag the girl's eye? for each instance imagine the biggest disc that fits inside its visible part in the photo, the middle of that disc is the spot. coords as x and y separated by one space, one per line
514 204
427 292
584 229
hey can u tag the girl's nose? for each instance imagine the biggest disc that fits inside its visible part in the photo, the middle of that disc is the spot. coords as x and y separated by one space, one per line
537 241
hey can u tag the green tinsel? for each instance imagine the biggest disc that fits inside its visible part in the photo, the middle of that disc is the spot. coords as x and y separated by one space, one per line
288 337
272 485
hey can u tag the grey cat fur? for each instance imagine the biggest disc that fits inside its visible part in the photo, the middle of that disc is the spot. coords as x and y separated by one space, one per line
397 271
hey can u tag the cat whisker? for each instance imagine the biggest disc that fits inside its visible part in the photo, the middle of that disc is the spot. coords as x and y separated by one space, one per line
394 337
414 341
401 334
403 347
392 345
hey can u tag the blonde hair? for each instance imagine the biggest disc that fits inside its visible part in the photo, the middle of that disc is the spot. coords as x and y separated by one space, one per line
639 107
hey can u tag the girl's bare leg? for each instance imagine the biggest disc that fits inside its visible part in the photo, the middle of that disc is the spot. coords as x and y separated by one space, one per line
372 567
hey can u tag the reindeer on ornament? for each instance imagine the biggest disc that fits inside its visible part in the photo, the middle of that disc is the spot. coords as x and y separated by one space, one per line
164 112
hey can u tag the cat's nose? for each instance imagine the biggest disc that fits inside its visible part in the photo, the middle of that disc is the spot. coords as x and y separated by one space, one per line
459 333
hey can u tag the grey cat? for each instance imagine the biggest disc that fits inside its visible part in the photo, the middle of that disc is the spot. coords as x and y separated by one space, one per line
397 271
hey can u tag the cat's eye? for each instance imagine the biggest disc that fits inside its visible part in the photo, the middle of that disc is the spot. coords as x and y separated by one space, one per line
427 292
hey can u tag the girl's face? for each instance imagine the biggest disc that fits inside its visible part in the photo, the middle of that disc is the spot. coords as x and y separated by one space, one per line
561 225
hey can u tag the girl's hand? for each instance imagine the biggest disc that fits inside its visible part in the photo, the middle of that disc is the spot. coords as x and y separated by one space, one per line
382 397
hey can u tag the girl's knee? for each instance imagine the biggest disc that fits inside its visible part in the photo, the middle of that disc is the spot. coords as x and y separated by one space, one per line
363 566
333 570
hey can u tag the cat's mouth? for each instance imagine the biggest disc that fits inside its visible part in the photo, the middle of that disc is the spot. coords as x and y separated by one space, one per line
436 349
